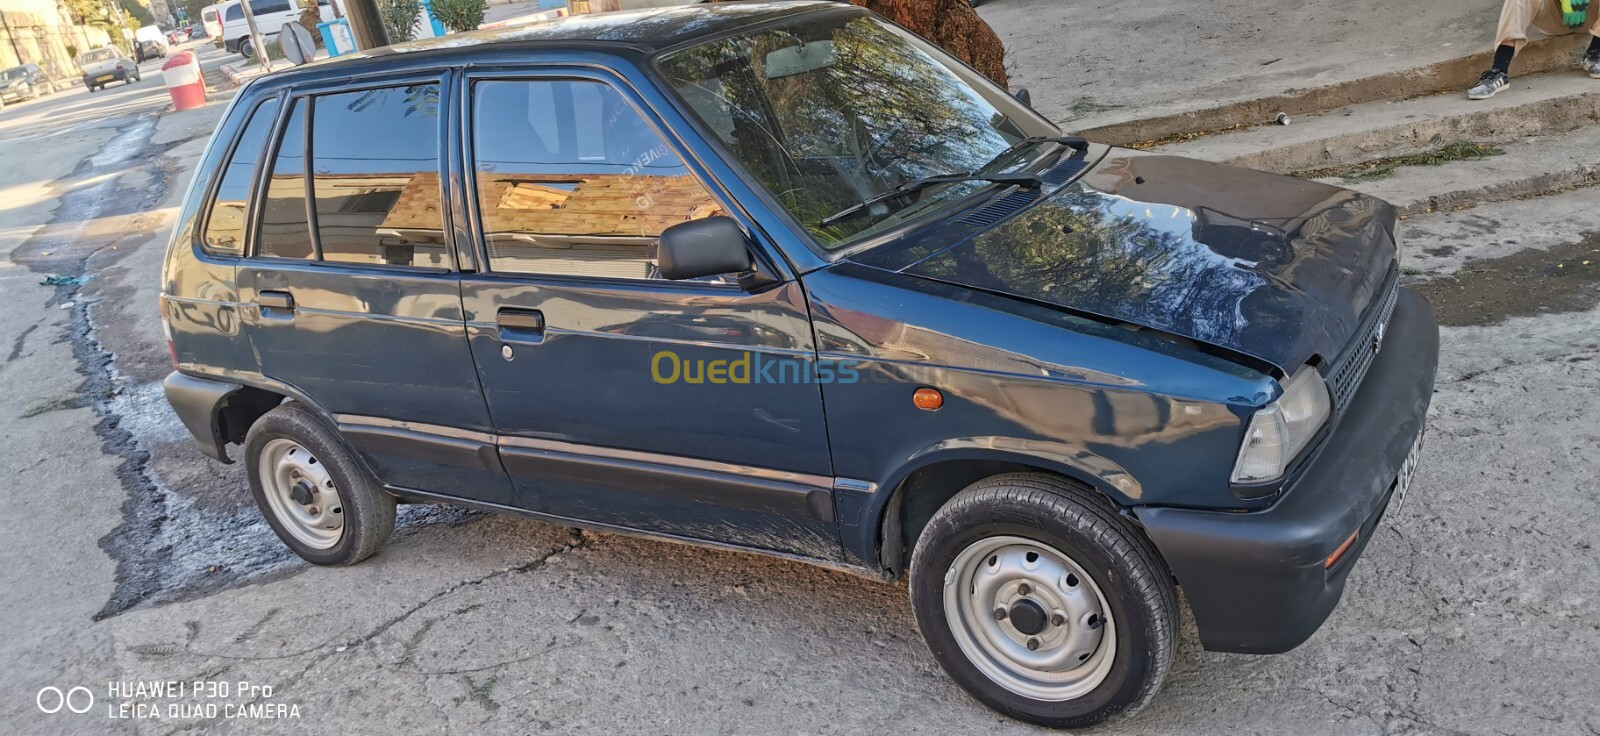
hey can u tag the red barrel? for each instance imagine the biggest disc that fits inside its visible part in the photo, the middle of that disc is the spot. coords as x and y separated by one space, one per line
182 75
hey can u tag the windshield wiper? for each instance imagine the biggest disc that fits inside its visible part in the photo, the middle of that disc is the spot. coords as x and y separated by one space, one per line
1027 180
1075 142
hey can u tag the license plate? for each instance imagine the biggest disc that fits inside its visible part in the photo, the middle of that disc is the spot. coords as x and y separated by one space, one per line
105 78
1408 471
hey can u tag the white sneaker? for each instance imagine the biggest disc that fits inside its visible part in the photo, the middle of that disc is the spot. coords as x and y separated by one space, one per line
1591 63
1491 82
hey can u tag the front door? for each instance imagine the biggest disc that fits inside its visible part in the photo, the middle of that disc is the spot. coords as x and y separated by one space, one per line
681 408
358 302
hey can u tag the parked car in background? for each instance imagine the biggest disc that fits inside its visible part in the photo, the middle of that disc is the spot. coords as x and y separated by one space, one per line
105 65
786 278
270 16
211 21
23 83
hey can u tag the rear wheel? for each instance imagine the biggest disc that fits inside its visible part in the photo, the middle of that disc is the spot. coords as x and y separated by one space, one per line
1043 603
313 492
247 48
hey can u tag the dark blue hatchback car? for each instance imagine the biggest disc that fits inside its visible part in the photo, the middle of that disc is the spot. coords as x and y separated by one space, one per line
787 278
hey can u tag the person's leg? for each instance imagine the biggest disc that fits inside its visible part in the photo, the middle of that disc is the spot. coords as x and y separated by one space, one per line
1591 58
1516 17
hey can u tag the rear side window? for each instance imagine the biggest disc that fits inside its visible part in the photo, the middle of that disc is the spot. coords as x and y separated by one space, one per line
225 222
375 157
374 179
285 230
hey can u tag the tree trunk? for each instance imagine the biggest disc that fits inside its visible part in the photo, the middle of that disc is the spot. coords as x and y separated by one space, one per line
953 26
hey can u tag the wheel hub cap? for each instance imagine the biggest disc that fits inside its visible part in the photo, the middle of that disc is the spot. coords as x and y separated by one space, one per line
1027 617
301 494
1030 618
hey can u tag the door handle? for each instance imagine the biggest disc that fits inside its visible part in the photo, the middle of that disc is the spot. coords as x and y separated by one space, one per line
275 300
525 324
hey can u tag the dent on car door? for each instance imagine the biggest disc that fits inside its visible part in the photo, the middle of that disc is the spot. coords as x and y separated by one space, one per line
357 304
623 398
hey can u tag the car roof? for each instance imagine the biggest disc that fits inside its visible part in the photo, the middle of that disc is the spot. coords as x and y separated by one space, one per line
634 32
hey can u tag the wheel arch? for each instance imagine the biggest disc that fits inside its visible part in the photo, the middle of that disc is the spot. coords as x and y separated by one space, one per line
918 488
221 412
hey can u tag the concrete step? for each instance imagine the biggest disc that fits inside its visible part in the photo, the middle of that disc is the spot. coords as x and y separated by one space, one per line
1531 167
1452 75
1544 104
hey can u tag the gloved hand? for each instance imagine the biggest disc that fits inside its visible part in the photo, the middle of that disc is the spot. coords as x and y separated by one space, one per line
1572 12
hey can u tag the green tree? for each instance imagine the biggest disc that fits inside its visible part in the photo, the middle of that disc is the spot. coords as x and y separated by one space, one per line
138 15
400 18
459 15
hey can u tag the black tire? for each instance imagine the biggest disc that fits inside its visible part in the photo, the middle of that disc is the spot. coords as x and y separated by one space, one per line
247 48
367 509
1133 580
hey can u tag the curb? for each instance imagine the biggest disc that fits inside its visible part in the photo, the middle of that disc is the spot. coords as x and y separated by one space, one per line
1548 54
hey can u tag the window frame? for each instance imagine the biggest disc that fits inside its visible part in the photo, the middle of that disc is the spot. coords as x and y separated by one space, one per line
577 72
308 93
214 186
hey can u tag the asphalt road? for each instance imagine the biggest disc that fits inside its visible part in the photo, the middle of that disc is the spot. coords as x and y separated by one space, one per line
130 557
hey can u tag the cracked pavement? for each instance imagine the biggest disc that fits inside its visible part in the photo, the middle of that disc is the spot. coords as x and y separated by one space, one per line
131 557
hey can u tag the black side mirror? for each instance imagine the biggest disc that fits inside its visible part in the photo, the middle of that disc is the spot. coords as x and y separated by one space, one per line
706 247
1023 96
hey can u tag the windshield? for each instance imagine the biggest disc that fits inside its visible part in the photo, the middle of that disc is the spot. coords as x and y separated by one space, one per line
828 111
104 53
16 72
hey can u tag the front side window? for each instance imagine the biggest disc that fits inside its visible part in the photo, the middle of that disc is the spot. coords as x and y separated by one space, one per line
571 181
827 112
225 222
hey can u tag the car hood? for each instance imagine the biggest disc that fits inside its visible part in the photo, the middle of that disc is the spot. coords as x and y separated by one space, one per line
1270 267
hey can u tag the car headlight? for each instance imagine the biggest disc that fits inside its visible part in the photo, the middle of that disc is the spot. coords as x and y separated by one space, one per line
1281 429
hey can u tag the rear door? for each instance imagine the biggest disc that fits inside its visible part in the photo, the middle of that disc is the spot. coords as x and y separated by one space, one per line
357 299
679 407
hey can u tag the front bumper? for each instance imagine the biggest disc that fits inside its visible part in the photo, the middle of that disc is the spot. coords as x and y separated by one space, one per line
1256 581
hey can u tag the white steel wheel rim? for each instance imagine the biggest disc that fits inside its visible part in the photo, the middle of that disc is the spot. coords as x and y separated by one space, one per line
301 494
1066 658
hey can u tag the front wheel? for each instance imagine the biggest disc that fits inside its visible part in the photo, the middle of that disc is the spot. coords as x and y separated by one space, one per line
313 491
1043 603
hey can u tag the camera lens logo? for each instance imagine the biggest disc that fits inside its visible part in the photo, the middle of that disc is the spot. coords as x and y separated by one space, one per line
52 700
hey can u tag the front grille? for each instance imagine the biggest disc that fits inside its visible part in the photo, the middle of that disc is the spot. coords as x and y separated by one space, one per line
1344 377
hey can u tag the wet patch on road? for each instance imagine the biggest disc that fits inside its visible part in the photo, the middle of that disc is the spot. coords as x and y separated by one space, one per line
172 543
1556 280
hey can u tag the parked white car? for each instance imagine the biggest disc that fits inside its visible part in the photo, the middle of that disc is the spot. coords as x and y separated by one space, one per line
270 16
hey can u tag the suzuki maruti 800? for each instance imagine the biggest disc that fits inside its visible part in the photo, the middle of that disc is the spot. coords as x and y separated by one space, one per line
787 278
